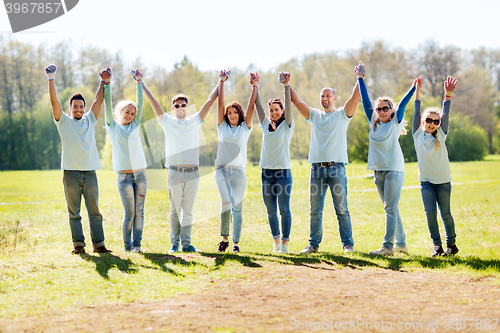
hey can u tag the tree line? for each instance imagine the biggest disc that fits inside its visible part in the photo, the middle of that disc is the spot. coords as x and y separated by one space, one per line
29 138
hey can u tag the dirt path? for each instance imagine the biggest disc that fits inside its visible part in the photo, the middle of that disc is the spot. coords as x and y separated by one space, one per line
288 298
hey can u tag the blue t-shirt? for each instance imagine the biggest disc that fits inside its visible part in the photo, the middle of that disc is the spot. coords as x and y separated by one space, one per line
384 152
79 150
275 152
328 136
232 147
182 136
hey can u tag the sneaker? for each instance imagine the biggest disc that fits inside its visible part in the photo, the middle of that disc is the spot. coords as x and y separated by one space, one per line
451 250
402 249
284 248
236 248
102 249
190 248
78 250
308 249
276 247
136 249
348 249
173 249
383 251
437 250
222 246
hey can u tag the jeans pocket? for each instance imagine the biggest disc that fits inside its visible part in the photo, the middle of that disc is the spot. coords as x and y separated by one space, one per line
122 178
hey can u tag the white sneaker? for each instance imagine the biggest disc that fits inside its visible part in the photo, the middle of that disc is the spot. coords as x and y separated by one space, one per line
276 247
383 251
402 249
348 249
284 248
308 249
136 249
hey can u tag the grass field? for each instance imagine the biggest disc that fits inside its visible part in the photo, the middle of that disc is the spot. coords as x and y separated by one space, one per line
39 274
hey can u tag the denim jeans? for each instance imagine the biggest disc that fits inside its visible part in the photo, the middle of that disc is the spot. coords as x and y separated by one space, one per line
132 188
389 185
321 178
182 192
231 182
78 183
276 190
440 193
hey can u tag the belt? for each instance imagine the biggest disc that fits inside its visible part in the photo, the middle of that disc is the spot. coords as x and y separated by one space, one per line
325 164
182 169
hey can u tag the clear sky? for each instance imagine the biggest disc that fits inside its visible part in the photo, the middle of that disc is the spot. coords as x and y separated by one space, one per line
231 33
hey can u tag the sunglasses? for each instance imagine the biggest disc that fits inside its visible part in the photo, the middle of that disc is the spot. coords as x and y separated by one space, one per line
384 109
430 121
180 105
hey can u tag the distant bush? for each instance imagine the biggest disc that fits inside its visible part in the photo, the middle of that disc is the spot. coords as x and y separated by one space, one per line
466 142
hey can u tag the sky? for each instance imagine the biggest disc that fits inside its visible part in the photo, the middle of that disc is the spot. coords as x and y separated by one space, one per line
263 33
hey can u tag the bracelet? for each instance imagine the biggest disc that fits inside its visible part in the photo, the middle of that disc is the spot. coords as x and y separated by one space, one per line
103 80
51 79
447 95
255 86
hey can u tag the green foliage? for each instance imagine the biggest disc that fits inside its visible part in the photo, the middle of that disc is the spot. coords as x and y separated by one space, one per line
466 142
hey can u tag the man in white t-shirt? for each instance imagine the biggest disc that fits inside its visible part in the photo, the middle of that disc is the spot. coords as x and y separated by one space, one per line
328 156
79 160
182 161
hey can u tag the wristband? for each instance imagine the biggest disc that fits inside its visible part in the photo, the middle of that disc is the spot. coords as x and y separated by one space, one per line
255 86
51 76
51 79
448 96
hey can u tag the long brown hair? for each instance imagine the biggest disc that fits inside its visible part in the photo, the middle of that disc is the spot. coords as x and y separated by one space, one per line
404 131
238 108
436 111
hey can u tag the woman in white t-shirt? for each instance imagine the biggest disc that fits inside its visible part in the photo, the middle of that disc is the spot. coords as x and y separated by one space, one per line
233 131
429 135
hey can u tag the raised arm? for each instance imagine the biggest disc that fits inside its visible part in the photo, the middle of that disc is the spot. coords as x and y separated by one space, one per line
302 107
284 79
352 102
108 105
137 75
209 103
449 87
223 76
254 81
400 113
417 114
50 70
154 103
251 102
367 104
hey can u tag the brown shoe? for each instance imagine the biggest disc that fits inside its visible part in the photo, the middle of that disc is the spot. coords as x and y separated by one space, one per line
78 250
102 249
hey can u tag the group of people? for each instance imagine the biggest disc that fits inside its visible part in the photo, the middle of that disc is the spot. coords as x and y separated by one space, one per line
327 156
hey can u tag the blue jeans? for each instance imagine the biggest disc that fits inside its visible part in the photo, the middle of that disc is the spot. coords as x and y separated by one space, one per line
321 178
78 183
389 185
276 190
440 193
182 192
231 182
132 188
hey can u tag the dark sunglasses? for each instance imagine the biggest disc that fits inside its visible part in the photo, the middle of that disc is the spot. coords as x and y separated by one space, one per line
385 109
430 121
180 105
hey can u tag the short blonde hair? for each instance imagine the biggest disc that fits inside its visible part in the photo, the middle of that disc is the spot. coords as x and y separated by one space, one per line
122 105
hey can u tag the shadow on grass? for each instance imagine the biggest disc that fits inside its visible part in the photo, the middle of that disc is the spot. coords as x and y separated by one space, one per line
161 260
106 261
221 258
359 260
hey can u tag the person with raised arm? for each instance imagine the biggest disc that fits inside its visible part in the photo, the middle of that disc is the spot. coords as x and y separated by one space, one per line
385 158
182 161
233 131
276 174
430 130
123 127
79 160
328 157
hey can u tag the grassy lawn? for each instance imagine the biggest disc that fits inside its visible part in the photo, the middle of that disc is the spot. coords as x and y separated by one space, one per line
38 272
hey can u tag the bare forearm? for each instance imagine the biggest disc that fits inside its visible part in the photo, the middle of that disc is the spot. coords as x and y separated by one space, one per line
352 102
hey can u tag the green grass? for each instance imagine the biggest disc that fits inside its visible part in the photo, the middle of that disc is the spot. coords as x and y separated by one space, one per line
38 273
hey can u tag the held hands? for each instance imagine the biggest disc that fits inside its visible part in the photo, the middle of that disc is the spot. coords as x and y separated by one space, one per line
254 78
449 85
136 75
418 83
360 70
50 70
224 75
105 75
284 78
